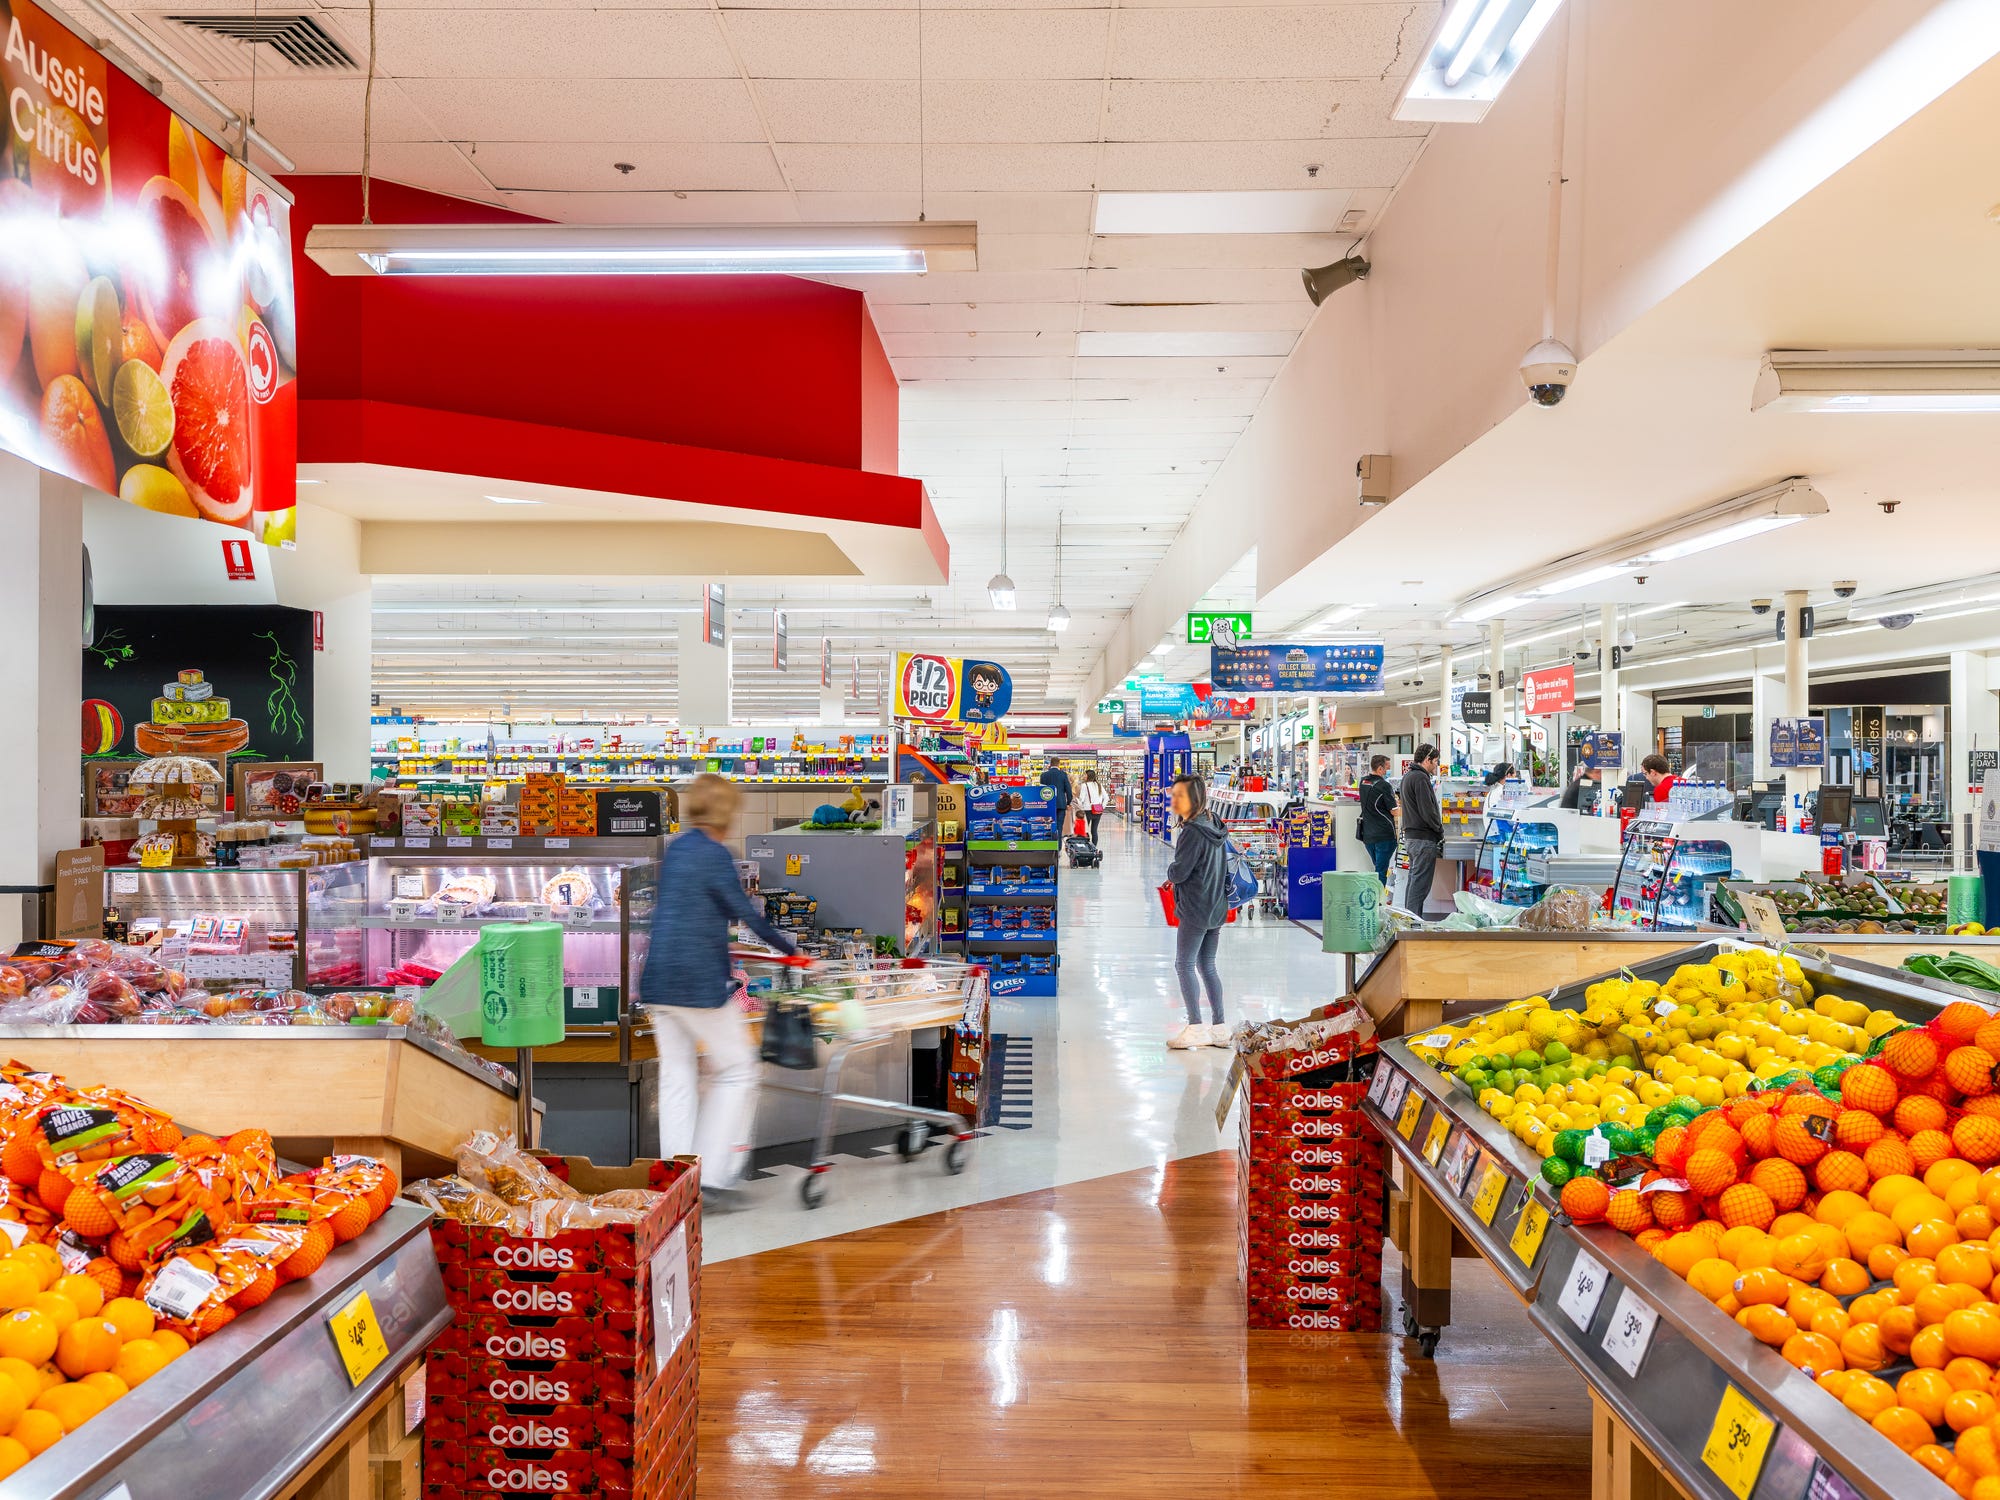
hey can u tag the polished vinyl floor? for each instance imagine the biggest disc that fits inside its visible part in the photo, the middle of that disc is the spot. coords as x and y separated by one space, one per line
1103 1092
1087 1340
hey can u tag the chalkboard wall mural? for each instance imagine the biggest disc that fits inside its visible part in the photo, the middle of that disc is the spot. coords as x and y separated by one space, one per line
214 680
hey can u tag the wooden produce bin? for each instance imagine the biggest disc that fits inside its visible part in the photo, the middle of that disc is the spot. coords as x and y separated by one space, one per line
372 1091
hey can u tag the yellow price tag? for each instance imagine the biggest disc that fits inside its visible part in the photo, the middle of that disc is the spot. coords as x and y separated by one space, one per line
1738 1442
1492 1183
1528 1232
358 1337
1434 1142
794 864
1413 1111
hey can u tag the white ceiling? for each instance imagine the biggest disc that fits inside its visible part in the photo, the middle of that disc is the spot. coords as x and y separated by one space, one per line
1105 378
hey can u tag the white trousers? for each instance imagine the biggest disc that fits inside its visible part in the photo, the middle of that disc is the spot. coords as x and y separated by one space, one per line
708 1107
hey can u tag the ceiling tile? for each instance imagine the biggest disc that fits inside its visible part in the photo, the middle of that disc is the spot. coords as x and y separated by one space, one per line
659 168
1244 110
1197 343
982 369
972 286
986 110
908 345
1313 42
1132 166
433 165
825 43
588 109
1033 252
1050 168
1277 317
521 44
1216 251
316 111
840 110
1015 43
849 169
861 208
1191 286
1015 213
657 208
914 317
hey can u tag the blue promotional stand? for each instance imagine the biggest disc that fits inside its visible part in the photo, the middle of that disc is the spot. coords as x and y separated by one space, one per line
1305 869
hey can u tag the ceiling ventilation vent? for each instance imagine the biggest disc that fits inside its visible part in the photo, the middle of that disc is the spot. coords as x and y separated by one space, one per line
220 47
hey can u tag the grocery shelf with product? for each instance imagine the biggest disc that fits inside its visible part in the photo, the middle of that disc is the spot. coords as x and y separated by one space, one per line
1013 854
1745 1162
1167 756
1668 877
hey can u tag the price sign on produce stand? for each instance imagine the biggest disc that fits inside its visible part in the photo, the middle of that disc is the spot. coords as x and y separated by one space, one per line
1528 1231
1760 915
358 1337
1378 1086
1738 1442
1584 1290
1826 1484
1492 1184
1412 1111
1458 1160
1434 1142
1631 1332
1392 1102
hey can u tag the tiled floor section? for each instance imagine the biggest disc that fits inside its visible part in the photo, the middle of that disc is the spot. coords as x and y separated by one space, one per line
1107 1094
1087 1340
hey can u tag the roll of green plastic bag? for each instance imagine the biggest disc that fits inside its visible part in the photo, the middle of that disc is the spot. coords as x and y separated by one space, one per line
1350 911
520 984
1964 899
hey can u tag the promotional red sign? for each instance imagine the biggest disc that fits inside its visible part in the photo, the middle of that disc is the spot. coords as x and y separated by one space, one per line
147 332
242 568
1551 690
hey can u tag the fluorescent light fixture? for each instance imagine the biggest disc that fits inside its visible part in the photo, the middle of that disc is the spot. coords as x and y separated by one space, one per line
1955 596
1949 381
1486 609
1721 536
640 250
1278 211
308 481
511 500
1473 50
1058 618
1580 580
1340 614
1000 589
1107 343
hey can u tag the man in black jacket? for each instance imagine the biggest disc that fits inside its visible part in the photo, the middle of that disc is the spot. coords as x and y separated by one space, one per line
1378 816
1058 779
1423 826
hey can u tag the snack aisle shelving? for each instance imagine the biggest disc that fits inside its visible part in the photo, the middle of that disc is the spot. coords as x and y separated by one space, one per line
952 875
265 1405
1667 1369
1167 756
1013 855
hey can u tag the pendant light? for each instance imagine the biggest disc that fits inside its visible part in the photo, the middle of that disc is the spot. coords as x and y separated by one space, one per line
1058 616
1000 588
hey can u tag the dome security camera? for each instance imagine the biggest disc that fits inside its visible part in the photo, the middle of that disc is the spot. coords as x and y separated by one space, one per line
1845 588
1548 371
1760 606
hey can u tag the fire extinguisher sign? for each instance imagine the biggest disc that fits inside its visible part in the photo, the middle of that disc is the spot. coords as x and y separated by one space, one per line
926 688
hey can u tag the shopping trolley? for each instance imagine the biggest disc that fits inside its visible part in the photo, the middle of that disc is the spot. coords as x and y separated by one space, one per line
856 1005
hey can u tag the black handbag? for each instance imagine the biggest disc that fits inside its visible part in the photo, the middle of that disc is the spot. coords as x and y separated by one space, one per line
788 1040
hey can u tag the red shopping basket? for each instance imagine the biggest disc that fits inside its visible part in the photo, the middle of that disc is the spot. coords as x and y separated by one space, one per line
1167 904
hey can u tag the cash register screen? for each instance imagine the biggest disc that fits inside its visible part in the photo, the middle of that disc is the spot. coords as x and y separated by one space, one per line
1836 806
1868 819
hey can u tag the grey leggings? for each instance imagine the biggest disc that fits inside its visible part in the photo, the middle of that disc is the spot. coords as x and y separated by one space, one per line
1194 948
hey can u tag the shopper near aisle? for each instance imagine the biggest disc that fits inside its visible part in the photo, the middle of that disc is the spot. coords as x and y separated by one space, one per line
1423 826
1091 800
1057 777
1199 876
1378 816
1658 776
1572 797
701 1032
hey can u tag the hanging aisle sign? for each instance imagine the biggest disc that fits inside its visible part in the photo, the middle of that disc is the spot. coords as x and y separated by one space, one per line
1346 668
712 613
146 315
826 661
778 642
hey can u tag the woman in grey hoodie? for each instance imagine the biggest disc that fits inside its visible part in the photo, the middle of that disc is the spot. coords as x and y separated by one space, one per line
1199 875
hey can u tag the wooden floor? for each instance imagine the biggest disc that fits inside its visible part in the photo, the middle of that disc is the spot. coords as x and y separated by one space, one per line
1088 1341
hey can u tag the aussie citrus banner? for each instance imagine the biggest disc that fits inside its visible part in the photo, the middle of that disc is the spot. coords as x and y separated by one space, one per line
147 334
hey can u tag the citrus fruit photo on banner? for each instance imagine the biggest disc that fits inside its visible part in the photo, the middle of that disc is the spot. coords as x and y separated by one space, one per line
147 331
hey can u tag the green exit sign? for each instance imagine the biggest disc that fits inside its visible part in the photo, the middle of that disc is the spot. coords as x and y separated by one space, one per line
1201 626
1111 706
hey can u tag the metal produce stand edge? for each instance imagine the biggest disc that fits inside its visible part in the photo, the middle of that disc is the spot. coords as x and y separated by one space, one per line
1696 1351
249 1409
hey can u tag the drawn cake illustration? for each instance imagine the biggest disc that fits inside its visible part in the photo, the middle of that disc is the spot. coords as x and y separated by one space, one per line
189 719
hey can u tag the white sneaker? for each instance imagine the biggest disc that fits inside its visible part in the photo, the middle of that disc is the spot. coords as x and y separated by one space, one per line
1188 1037
1218 1035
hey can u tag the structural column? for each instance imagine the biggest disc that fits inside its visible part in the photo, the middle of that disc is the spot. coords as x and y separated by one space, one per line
1975 725
704 679
41 676
1443 740
1312 753
1496 653
1767 702
1610 710
1799 781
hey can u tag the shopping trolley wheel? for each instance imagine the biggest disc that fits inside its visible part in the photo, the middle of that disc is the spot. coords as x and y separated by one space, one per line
912 1138
812 1188
1427 1342
954 1157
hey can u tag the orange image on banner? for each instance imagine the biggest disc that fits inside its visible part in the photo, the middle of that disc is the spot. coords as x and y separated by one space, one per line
147 332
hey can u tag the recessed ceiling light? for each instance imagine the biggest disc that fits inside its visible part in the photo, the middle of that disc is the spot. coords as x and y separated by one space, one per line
1304 211
511 500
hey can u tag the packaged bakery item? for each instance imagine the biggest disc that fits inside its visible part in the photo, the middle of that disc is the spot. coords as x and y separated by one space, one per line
471 890
494 1163
569 888
457 1200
